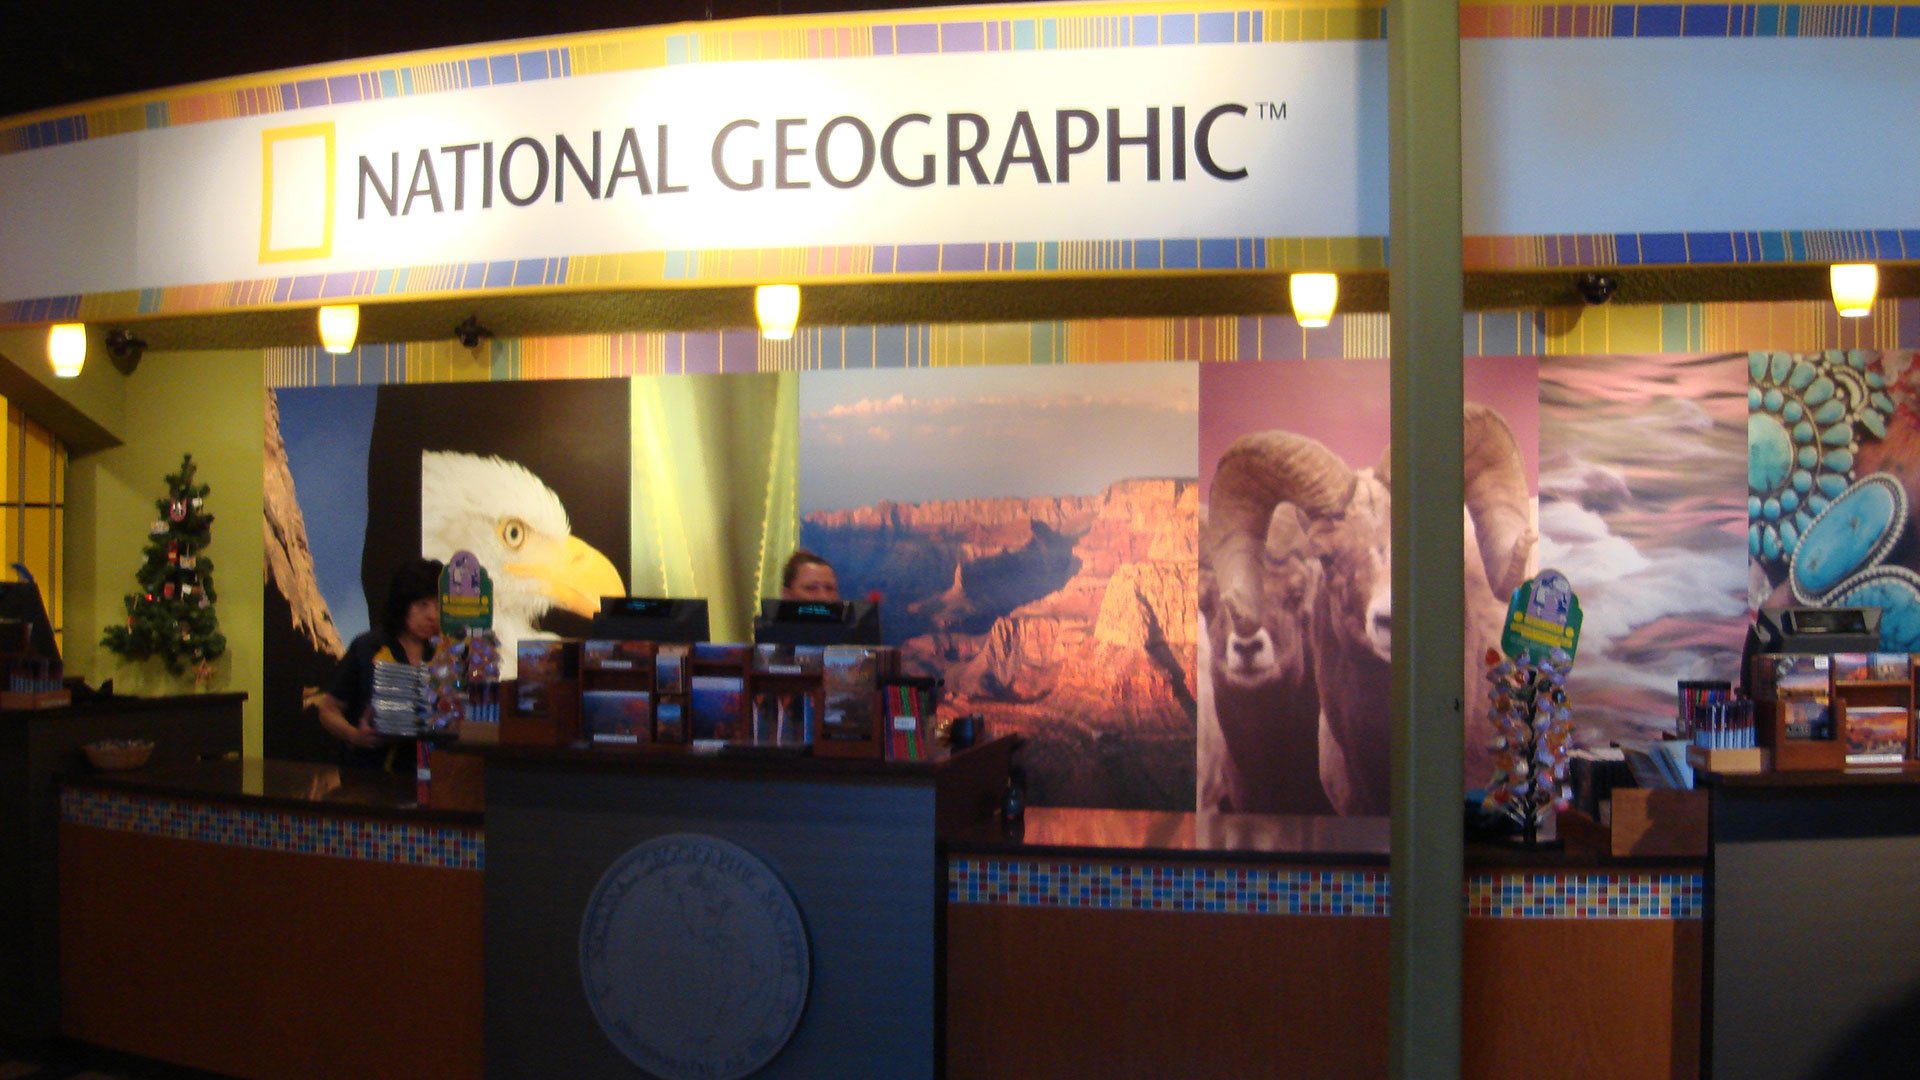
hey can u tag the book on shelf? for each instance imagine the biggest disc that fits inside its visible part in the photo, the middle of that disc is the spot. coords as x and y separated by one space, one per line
716 706
1876 734
618 717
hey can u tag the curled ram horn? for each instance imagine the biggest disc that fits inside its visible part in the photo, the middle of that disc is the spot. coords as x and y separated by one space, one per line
1497 499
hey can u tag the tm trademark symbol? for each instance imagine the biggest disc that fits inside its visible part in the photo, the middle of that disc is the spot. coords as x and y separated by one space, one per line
1273 110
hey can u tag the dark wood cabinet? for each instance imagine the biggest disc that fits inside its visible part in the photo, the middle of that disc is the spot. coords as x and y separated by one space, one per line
36 747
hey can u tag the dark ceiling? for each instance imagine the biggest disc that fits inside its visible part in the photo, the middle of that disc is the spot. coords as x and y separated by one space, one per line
54 54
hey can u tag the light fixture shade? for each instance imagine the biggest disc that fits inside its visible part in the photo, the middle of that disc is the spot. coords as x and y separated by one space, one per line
67 348
1853 287
778 308
339 325
1314 296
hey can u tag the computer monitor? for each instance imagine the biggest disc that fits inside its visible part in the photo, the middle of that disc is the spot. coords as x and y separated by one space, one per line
20 601
645 618
817 622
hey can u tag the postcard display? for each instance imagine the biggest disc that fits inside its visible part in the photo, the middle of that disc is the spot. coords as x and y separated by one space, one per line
1826 711
831 701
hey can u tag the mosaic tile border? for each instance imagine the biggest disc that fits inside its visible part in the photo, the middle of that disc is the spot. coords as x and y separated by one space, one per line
449 847
1191 889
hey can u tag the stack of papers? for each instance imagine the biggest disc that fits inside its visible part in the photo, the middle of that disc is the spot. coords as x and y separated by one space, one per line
399 699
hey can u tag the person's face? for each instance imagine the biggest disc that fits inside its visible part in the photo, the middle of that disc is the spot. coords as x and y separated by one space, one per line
423 618
812 582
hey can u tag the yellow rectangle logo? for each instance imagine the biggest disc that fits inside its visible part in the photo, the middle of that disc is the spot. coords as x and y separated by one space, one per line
296 192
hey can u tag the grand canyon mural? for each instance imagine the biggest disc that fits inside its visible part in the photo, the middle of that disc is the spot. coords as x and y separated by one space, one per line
1031 532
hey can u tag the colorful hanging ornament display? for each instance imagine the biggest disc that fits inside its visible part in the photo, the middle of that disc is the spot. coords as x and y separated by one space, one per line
1527 703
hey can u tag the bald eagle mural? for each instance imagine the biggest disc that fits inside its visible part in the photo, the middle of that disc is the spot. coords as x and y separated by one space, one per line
518 528
534 478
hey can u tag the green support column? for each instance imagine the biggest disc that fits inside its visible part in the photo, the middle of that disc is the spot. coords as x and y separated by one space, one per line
1424 296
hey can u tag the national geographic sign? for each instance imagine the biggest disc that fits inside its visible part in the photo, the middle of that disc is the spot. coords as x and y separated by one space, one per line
694 958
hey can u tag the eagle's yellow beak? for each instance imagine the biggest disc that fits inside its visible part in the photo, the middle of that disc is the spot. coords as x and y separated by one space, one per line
575 578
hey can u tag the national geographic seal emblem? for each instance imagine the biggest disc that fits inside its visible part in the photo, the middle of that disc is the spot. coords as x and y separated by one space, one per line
694 958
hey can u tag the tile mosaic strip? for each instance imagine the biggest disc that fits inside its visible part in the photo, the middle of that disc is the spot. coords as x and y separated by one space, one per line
1531 19
449 847
1586 896
1261 891
964 30
1164 887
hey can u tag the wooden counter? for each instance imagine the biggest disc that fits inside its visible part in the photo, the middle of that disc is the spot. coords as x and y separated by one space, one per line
274 920
1142 944
35 747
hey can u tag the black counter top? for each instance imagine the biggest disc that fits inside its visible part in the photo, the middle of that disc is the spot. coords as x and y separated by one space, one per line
297 785
121 703
732 761
1892 775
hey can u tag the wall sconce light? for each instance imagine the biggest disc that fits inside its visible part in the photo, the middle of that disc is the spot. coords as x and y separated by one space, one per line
67 348
1853 287
1314 297
339 325
778 308
469 332
125 350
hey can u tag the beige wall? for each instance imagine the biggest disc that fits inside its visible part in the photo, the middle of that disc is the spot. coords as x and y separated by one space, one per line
209 404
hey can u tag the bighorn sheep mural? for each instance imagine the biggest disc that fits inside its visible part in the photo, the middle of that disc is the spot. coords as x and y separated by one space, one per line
1299 612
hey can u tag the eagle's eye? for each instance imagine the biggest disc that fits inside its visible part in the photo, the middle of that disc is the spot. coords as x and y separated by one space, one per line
513 533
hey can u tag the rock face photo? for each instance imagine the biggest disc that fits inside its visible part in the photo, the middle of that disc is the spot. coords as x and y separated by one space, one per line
1069 620
1031 534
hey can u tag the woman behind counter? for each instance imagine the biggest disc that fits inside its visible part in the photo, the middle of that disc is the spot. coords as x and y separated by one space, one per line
808 577
408 625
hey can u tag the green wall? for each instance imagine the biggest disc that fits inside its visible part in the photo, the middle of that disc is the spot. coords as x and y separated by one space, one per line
209 404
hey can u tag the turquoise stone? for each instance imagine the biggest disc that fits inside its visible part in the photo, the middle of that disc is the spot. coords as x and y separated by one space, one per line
1896 592
1803 374
1769 453
1819 392
1853 534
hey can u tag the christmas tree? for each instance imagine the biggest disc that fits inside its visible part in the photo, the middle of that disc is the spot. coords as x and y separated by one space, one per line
170 615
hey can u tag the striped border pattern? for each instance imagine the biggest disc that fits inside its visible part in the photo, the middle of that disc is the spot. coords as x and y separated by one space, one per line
1688 249
1529 19
1801 326
1260 891
740 267
1226 338
449 847
972 30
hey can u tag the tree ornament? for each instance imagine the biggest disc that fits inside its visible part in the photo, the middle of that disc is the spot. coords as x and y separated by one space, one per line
177 510
158 528
167 590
